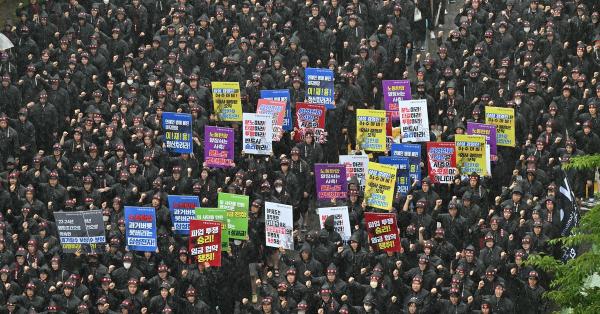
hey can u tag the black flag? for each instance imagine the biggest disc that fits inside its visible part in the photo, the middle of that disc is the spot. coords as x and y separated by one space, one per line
570 213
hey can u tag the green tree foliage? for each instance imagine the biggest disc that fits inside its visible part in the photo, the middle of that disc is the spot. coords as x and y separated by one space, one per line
572 287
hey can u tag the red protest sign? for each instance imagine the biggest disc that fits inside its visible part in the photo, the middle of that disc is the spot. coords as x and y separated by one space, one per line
441 158
309 117
383 231
205 241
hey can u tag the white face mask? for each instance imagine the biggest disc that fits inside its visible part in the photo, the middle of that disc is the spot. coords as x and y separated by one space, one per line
127 265
518 101
278 189
301 312
367 307
373 284
129 82
105 1
178 81
105 218
151 83
527 29
237 242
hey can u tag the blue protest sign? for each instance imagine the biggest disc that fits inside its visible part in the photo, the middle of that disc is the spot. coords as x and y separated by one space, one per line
281 95
177 129
413 152
319 87
182 208
402 176
140 228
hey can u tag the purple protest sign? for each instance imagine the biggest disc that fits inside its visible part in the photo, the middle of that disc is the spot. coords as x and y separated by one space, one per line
331 181
218 146
487 130
393 92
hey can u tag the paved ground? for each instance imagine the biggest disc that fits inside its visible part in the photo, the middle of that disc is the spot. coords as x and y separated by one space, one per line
7 10
431 45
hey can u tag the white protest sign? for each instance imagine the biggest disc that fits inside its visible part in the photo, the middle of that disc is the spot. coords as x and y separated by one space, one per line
258 134
279 224
341 220
414 121
356 165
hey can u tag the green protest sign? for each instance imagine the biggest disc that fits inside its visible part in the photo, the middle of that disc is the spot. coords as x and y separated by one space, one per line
237 214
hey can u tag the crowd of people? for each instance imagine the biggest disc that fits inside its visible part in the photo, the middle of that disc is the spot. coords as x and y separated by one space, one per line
81 98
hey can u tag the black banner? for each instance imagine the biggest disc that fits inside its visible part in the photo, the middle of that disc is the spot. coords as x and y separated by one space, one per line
83 231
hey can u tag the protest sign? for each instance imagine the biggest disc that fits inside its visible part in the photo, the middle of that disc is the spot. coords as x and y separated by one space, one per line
331 181
279 224
182 208
341 220
227 101
504 120
216 214
205 241
402 175
441 159
276 110
413 152
370 129
80 231
309 117
177 130
487 130
356 166
140 228
471 154
218 146
281 95
414 121
395 91
383 232
319 87
237 214
379 191
258 138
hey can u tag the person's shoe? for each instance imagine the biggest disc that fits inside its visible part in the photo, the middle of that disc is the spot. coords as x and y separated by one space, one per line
422 48
432 34
254 298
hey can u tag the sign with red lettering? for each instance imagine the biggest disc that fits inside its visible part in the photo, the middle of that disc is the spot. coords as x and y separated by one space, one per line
414 121
218 146
140 228
331 181
258 130
275 109
183 209
279 225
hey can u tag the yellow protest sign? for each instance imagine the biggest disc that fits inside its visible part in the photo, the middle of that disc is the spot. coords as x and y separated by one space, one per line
370 128
227 101
379 190
471 154
504 120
